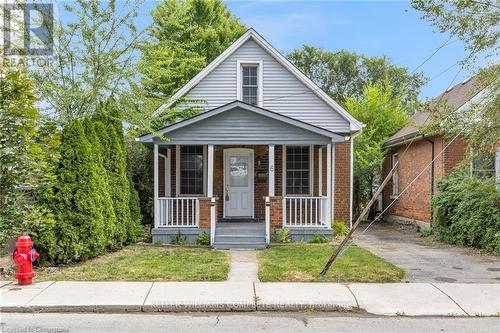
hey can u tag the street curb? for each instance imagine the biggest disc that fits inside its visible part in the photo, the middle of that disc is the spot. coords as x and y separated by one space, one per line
209 308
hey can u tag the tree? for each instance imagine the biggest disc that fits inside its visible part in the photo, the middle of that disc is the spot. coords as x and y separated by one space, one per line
80 228
473 22
383 113
93 59
345 74
185 36
18 117
94 134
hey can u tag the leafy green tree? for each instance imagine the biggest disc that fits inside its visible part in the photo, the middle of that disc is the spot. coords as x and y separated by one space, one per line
383 113
18 117
80 228
185 36
345 74
93 59
474 22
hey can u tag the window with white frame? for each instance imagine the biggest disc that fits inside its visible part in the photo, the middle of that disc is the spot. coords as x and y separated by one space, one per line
298 170
191 170
395 176
249 83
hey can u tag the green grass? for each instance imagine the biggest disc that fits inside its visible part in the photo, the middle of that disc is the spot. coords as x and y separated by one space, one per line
146 263
304 262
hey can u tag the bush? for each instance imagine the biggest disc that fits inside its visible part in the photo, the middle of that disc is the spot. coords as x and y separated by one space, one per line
282 236
179 239
203 239
318 239
339 228
467 211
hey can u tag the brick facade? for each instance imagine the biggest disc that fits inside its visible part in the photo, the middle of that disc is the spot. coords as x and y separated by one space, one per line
341 181
415 203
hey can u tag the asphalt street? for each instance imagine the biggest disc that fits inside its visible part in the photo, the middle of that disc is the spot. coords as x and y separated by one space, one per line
240 322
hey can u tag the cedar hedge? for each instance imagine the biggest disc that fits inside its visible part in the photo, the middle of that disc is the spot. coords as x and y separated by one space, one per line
95 207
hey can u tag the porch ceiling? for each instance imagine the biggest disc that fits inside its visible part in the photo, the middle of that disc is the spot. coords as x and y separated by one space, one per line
244 124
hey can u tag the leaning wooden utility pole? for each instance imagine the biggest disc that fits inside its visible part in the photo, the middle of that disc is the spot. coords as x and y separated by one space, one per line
358 221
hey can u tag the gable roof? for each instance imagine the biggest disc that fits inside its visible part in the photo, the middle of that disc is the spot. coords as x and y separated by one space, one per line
148 138
454 98
355 125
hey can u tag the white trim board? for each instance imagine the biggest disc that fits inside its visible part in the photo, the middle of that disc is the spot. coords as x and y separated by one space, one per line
355 125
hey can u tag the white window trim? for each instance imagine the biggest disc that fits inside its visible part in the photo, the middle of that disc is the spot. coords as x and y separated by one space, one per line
395 179
178 173
260 79
311 172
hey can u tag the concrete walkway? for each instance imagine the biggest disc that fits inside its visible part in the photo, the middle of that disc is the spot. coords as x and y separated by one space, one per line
425 260
392 299
243 266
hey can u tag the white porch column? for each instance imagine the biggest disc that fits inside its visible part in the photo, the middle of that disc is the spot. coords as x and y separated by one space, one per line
320 171
271 171
210 190
210 171
168 174
329 184
155 185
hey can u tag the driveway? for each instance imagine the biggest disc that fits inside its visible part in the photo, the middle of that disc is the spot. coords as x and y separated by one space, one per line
425 260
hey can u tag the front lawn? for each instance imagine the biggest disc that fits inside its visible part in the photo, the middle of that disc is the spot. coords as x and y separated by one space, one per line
145 263
304 262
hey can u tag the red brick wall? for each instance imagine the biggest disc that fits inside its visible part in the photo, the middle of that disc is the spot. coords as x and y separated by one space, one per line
415 203
276 219
342 186
205 213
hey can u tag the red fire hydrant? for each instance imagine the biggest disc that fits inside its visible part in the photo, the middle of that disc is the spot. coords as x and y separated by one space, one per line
24 255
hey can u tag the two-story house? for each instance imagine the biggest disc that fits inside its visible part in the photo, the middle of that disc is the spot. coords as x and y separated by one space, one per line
269 150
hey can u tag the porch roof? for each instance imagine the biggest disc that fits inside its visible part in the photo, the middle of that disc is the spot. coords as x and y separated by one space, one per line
244 124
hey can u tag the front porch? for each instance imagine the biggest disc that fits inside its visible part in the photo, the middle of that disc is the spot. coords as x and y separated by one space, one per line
253 214
248 169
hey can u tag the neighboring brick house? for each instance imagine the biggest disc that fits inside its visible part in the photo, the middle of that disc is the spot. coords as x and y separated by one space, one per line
269 150
415 151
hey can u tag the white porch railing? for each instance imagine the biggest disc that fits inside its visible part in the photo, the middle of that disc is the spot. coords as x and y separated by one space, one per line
305 212
178 212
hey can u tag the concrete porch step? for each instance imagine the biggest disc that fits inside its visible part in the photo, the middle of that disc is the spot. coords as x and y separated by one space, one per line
239 245
240 238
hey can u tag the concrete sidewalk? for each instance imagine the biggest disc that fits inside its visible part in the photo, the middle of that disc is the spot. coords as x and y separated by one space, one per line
391 299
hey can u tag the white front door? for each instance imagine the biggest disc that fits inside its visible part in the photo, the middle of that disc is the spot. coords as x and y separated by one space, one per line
238 182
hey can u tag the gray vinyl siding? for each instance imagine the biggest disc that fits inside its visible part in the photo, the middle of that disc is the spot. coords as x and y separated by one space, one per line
240 126
282 91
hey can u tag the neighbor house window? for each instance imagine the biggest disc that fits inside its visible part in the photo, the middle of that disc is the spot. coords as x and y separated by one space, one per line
191 170
395 176
298 170
483 166
249 84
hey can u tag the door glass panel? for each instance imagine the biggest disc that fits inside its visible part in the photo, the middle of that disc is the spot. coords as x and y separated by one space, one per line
238 171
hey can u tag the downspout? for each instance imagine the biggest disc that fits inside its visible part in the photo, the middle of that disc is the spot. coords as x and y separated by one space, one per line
432 176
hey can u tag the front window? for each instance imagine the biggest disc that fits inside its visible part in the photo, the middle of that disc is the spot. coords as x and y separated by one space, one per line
191 170
395 176
249 84
298 170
